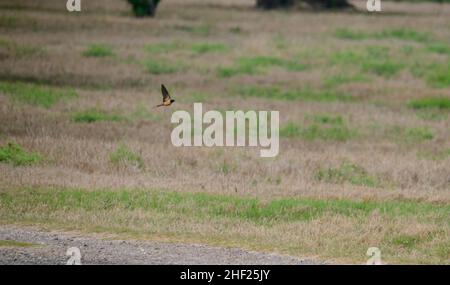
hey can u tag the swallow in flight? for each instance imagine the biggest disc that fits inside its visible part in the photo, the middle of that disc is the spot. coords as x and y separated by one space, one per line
167 100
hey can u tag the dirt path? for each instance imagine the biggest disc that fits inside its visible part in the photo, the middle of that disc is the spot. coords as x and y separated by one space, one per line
52 246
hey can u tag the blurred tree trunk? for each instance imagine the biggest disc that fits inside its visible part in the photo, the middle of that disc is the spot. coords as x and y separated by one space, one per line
152 8
327 4
143 8
273 4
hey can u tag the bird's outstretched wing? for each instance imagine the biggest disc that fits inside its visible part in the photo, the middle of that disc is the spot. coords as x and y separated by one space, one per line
165 94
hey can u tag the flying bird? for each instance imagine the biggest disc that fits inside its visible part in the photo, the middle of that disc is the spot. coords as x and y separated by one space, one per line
167 100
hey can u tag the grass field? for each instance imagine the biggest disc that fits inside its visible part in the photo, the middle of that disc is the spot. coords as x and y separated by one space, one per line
364 105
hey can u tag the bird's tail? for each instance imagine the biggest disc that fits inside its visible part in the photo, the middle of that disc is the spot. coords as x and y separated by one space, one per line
160 105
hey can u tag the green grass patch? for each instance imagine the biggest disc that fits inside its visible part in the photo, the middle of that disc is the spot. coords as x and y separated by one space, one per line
346 57
39 205
35 94
444 154
293 65
442 103
347 173
382 67
422 69
98 50
442 250
14 49
409 241
323 127
202 48
14 154
233 71
199 97
161 66
408 50
142 113
439 48
332 133
436 75
375 59
95 115
347 34
17 21
435 115
403 34
258 64
340 79
410 135
290 130
249 65
9 21
439 77
163 47
435 155
419 134
223 220
396 33
306 94
13 243
124 155
280 42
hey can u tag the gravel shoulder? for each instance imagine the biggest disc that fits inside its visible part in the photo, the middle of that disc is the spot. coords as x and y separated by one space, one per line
51 248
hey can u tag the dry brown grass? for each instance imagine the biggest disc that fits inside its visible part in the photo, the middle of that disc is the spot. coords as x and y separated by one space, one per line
77 154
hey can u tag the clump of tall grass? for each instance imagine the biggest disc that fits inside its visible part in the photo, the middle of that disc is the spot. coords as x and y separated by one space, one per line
124 155
98 50
35 94
14 154
347 173
322 127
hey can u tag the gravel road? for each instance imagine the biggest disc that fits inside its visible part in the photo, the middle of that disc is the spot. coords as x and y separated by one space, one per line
52 246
